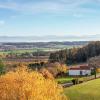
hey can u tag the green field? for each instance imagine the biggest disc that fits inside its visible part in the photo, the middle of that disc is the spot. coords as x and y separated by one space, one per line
64 80
26 50
85 91
15 51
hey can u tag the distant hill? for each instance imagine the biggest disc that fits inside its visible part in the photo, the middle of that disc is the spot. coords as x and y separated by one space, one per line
51 45
49 38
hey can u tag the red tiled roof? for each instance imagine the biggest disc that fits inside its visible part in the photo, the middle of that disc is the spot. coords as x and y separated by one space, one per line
80 67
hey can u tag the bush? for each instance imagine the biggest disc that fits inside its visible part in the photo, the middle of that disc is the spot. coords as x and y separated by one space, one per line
26 85
46 73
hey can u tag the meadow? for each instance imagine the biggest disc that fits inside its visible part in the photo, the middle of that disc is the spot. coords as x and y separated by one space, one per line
64 80
86 91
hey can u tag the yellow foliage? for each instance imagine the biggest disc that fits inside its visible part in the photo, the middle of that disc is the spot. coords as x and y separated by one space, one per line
62 68
28 85
98 70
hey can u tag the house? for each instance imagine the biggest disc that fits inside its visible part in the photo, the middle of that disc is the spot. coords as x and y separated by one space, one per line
81 70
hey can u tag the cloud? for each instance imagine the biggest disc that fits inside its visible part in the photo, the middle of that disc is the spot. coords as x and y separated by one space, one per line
2 22
48 6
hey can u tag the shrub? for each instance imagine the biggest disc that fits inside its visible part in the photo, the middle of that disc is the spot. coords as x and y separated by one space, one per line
29 85
46 73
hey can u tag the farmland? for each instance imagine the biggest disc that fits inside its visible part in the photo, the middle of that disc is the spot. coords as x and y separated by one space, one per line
85 91
20 51
23 52
37 46
30 50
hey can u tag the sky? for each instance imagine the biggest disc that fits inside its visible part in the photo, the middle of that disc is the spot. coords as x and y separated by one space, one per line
49 17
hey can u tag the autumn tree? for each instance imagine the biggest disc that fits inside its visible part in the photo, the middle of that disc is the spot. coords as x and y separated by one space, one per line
24 84
57 68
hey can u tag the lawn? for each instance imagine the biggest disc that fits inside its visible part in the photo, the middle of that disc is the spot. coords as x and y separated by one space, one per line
64 80
85 91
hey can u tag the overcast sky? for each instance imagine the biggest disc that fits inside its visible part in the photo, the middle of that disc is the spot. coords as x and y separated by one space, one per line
49 17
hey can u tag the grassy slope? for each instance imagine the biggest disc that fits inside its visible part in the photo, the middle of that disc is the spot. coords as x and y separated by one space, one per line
85 91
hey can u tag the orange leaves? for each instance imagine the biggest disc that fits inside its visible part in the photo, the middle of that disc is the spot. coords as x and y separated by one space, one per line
26 85
46 73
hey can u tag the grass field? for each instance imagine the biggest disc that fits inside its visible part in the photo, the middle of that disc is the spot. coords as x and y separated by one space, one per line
16 51
27 50
64 80
85 91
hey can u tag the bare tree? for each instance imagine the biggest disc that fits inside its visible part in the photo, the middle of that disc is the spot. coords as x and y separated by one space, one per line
94 62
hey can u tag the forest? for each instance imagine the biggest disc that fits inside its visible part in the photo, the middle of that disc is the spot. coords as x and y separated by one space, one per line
76 55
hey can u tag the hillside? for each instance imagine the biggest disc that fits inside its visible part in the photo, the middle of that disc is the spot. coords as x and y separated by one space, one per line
85 91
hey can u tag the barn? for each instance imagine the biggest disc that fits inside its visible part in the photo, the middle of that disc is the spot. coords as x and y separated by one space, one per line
81 70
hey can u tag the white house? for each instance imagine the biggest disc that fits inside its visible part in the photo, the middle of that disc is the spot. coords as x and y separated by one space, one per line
81 70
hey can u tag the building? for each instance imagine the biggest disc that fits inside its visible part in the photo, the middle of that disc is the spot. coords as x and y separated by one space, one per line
81 70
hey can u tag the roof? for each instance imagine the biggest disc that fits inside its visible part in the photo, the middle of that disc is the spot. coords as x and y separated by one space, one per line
80 67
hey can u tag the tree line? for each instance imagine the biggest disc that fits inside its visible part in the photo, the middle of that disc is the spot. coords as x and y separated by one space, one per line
76 55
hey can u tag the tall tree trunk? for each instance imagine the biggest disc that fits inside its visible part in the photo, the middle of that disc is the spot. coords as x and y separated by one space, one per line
95 73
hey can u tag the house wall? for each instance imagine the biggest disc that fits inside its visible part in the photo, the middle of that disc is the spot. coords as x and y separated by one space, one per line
77 72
